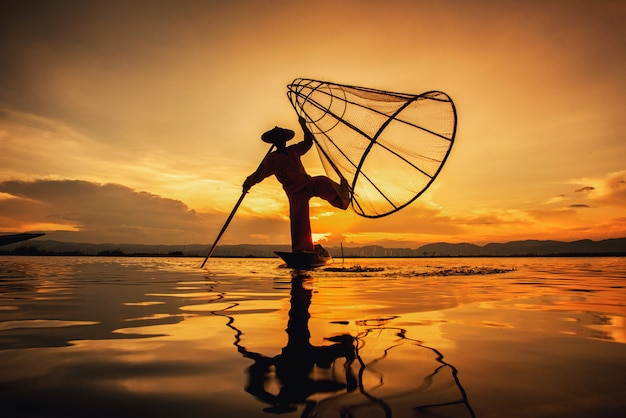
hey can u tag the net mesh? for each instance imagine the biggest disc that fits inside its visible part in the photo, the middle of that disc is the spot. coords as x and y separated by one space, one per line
388 146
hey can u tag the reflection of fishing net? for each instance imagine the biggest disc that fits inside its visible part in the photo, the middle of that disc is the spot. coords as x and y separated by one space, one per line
388 146
398 377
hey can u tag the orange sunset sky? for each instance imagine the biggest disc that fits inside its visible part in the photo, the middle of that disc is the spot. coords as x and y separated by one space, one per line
138 121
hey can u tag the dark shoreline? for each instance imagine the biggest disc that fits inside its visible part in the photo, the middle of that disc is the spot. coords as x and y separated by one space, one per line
614 247
19 253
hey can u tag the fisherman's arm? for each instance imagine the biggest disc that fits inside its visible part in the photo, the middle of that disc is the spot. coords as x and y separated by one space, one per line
308 136
264 171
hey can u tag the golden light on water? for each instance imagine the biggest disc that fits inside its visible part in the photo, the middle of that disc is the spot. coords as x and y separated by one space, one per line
415 334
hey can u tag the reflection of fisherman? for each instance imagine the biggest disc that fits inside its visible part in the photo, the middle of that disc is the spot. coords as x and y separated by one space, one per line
285 164
294 365
294 378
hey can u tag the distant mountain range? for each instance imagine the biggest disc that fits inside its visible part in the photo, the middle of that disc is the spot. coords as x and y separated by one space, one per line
616 246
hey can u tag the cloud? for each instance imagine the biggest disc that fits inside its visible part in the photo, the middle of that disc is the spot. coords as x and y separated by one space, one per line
585 189
96 212
34 146
608 190
37 147
82 211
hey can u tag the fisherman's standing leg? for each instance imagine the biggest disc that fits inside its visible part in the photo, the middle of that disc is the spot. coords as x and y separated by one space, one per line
301 238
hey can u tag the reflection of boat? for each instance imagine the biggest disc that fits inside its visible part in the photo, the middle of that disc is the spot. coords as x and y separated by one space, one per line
307 259
379 372
10 239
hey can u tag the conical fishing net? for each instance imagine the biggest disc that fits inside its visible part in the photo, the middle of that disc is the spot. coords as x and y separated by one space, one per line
388 146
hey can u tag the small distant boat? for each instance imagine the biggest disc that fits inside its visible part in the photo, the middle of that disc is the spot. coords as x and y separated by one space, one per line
12 238
306 259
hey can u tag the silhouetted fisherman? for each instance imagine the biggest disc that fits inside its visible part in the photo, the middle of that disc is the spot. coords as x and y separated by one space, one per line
300 187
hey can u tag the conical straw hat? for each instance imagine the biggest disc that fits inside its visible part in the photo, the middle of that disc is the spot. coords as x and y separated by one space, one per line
277 134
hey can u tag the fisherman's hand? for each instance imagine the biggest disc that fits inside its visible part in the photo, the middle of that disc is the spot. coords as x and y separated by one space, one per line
308 136
247 185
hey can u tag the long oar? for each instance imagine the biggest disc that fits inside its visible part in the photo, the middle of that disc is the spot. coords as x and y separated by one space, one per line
230 217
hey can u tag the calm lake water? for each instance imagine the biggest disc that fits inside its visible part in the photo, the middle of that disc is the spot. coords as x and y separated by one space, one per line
159 337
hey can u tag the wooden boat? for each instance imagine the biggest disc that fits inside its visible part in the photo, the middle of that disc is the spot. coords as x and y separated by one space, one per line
307 259
12 238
